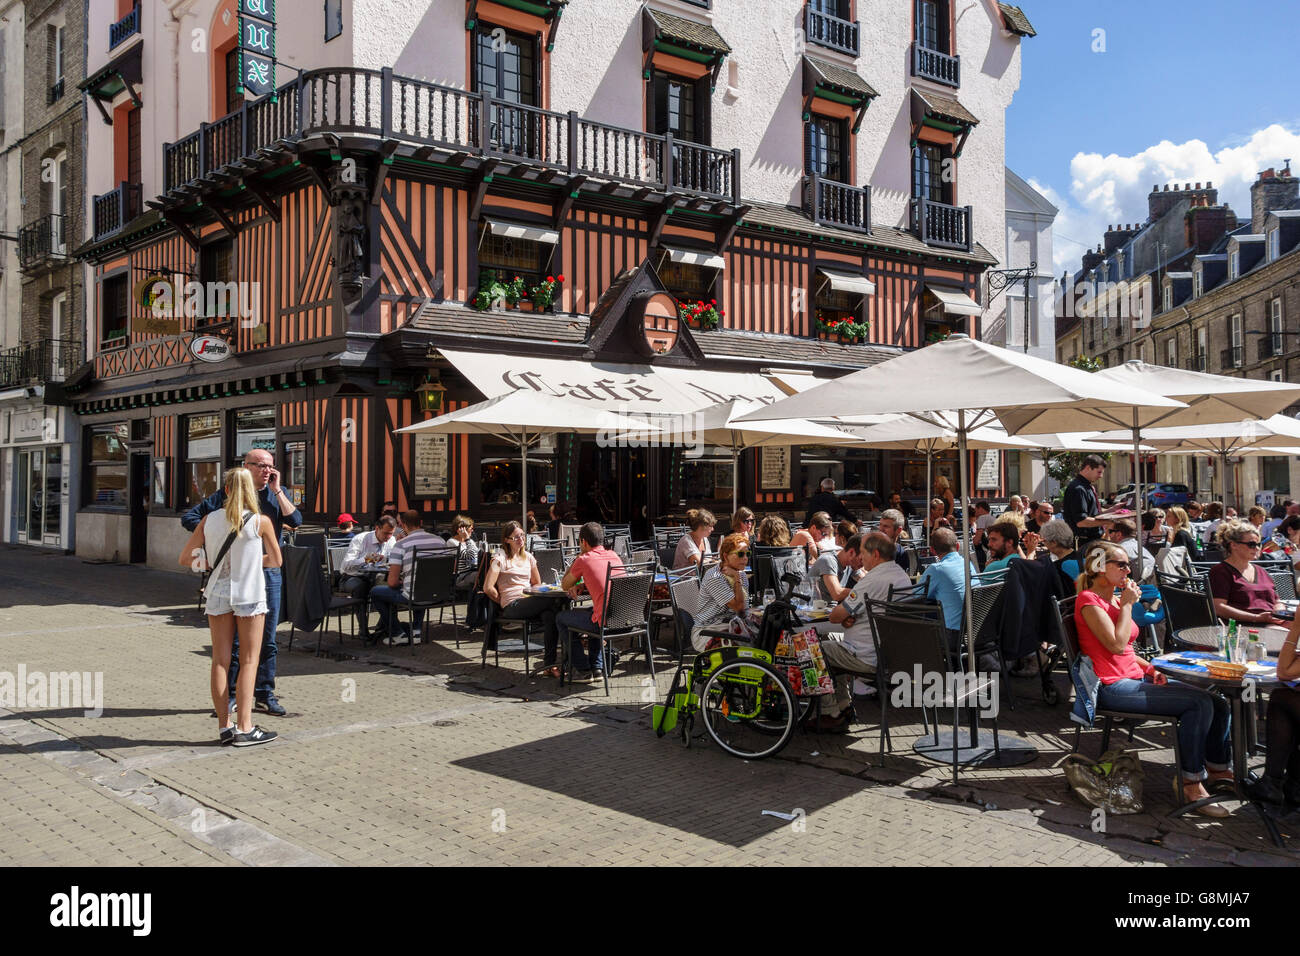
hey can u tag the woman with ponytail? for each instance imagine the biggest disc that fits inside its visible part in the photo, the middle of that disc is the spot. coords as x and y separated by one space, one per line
1104 619
235 544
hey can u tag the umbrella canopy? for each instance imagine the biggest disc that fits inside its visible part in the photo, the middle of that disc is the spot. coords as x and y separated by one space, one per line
523 416
966 384
1210 398
720 424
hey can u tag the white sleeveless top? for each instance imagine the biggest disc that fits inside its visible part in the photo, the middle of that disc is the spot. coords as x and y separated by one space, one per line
242 563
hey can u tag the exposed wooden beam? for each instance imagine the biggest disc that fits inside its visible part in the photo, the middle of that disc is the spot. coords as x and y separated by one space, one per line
728 229
562 210
222 217
480 187
269 204
387 150
103 112
182 229
661 218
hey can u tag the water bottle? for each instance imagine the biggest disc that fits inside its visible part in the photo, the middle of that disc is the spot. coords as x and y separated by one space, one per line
556 579
1231 649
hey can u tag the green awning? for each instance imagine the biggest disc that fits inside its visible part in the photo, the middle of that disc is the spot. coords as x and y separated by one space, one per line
826 80
937 108
678 36
121 73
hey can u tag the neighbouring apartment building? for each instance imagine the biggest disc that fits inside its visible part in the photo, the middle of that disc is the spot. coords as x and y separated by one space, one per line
1219 304
651 206
44 292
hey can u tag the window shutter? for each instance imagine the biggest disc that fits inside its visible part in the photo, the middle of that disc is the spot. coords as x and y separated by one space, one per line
704 110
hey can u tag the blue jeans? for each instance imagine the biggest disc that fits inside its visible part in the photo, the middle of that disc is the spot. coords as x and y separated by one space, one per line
386 599
578 661
265 685
1202 728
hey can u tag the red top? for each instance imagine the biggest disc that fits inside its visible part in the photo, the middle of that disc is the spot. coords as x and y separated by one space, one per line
593 568
1230 584
1109 667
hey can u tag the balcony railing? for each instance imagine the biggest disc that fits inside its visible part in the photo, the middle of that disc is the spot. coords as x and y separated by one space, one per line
830 31
125 28
41 240
380 103
56 92
938 224
936 66
1197 363
837 204
112 211
1270 345
37 363
1234 356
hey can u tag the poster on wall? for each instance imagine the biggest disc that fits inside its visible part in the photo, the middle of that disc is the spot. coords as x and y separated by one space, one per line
160 481
432 466
986 478
774 468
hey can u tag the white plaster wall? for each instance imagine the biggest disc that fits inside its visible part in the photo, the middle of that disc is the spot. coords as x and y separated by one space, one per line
104 537
11 174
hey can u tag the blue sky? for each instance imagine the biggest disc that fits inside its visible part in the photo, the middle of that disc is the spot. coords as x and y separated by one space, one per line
1182 92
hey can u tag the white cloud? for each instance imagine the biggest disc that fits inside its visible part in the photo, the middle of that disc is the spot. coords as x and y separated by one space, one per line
1111 189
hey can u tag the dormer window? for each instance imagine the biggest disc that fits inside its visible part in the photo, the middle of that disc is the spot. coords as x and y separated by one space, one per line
1168 299
1197 284
1274 244
1234 264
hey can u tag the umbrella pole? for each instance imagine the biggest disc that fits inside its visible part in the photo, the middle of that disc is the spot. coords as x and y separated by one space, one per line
735 479
1137 497
929 483
523 483
965 533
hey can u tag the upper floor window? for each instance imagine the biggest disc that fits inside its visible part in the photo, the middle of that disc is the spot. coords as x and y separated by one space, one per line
932 169
1196 284
55 49
826 152
1171 353
932 24
234 99
114 311
1274 245
1233 264
676 108
505 65
333 19
216 269
1167 299
1200 347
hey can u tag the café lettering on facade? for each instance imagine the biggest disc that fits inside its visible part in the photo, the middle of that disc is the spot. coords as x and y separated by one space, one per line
373 268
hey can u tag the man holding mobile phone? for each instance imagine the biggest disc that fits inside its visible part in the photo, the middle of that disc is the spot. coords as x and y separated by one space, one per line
276 505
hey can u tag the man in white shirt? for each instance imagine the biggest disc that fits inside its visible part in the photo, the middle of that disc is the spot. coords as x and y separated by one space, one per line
378 542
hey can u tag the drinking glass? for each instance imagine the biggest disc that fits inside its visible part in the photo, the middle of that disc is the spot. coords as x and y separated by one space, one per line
769 596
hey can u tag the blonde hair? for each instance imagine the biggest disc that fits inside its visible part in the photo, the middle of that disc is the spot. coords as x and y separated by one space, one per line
1177 518
1093 563
1016 518
241 497
1232 530
773 531
941 481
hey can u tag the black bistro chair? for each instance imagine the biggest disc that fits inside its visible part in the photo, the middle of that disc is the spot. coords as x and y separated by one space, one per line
1188 603
909 639
626 614
433 584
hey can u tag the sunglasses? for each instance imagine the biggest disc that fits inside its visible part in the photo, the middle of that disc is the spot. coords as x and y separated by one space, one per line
748 521
1121 564
1251 544
740 554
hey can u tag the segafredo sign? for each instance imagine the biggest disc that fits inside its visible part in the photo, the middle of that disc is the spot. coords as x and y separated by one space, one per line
209 348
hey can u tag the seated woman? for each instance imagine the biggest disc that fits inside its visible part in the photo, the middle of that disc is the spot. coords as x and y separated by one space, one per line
1129 683
1242 591
1257 516
693 547
724 591
1289 531
512 570
742 522
1180 532
1281 780
773 532
1059 540
462 538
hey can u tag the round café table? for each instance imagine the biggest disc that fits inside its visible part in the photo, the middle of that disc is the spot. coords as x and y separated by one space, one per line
1189 667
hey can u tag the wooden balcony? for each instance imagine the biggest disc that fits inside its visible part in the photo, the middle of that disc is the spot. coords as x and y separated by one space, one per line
430 117
112 211
938 224
937 66
124 29
830 31
837 204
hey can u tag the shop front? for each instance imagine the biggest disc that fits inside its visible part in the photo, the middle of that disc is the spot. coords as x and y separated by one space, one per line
38 454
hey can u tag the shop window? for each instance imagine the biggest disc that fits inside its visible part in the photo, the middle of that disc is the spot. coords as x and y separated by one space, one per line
294 475
114 313
202 473
501 470
709 478
1275 474
254 428
106 487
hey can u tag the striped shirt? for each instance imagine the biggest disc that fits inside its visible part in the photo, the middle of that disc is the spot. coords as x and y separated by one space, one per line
716 593
403 553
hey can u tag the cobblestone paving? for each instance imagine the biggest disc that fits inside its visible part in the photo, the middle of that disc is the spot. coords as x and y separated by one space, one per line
395 756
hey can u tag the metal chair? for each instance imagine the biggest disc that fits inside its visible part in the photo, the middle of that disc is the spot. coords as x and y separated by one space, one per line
911 594
549 562
1188 603
683 597
625 614
643 556
433 584
1284 584
569 534
910 641
769 563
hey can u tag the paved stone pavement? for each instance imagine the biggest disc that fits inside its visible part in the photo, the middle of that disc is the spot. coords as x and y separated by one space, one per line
401 756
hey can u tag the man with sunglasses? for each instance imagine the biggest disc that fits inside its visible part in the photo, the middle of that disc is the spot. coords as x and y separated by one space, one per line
1243 591
277 506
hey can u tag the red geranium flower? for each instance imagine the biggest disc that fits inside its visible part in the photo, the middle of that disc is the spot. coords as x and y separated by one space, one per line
560 278
550 278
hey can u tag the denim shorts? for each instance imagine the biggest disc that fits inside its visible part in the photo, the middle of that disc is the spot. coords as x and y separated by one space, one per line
218 601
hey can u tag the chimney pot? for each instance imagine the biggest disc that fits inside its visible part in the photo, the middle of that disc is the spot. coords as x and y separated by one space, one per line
1166 187
1209 185
1187 185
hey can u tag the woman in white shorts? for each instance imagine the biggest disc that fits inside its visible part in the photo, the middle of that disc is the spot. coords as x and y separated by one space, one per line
236 597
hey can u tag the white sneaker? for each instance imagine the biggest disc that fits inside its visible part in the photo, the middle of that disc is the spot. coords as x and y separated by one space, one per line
862 688
400 641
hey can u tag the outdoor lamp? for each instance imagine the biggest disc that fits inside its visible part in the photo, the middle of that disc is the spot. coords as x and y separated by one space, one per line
430 395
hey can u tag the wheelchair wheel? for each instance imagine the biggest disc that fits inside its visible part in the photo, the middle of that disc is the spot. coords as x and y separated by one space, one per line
748 709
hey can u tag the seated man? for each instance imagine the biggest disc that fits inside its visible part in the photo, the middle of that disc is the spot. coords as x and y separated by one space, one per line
401 573
1004 546
854 651
945 582
593 566
1124 534
893 526
823 578
369 545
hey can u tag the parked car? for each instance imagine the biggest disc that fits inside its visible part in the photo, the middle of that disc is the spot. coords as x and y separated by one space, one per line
1124 493
1165 495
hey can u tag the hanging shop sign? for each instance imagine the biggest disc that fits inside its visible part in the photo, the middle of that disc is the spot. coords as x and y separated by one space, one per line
257 46
209 348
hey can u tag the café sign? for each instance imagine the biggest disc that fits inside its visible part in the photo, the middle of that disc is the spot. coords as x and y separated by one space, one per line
257 46
209 348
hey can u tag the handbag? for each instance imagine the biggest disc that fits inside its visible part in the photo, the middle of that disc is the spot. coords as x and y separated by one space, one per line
1113 783
225 547
798 655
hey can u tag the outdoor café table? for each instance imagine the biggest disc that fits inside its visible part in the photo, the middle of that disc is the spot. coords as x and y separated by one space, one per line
1208 637
1187 666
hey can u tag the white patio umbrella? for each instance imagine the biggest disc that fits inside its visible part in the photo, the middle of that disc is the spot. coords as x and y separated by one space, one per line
965 384
720 425
523 416
1210 399
1222 440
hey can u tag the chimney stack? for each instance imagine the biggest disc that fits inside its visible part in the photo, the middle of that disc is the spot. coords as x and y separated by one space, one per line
1272 190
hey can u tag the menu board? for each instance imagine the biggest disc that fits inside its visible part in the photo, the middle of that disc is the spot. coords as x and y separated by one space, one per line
774 468
432 466
986 479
